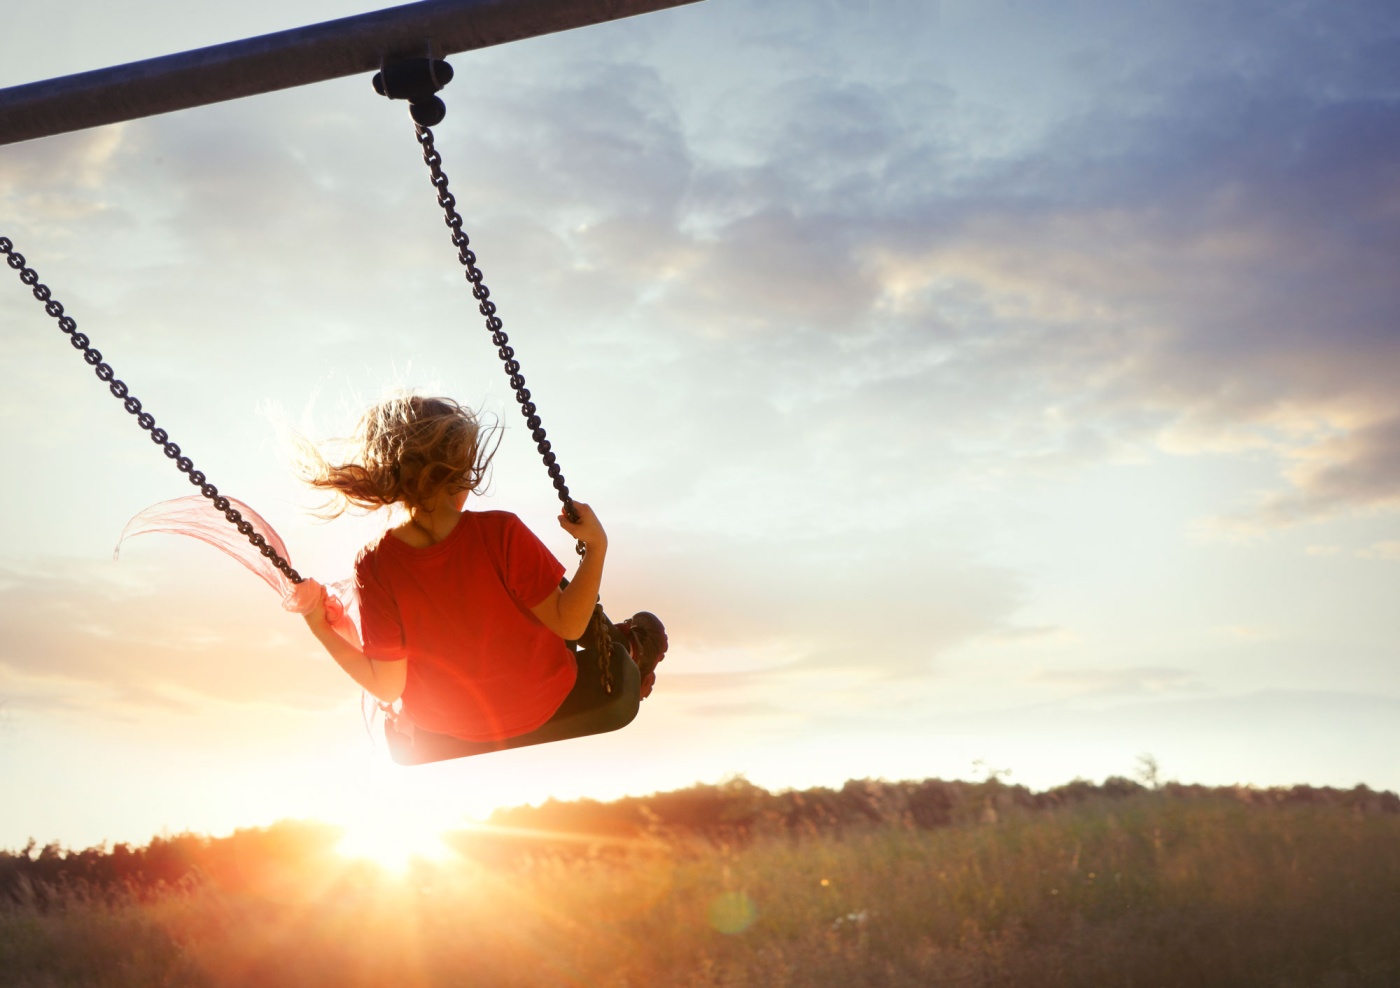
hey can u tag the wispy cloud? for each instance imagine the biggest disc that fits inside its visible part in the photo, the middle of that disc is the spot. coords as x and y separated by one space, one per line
1382 550
1127 681
130 643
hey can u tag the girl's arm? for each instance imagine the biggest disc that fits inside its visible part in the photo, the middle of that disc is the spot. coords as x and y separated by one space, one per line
383 680
567 612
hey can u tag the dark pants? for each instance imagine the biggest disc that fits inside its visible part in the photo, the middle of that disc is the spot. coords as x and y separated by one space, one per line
589 692
588 709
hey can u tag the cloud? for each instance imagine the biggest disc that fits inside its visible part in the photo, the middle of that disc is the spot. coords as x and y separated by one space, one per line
1212 272
1197 258
1036 634
1356 471
1271 737
1250 633
1130 681
131 643
1382 550
1316 712
62 178
876 606
1194 255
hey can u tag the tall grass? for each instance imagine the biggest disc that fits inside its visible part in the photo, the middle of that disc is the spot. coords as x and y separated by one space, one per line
1147 890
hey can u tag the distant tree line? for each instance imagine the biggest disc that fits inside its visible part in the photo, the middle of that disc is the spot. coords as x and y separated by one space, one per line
37 875
736 811
733 812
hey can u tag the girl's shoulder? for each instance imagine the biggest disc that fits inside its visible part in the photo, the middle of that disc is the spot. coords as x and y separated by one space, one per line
493 519
367 563
395 539
370 549
500 527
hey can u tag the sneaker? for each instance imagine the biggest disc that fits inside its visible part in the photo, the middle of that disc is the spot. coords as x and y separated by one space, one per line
645 638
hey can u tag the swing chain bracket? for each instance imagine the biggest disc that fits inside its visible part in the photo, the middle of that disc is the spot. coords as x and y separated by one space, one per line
416 80
132 404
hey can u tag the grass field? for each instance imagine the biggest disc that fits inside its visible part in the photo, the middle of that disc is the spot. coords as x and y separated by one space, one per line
1148 888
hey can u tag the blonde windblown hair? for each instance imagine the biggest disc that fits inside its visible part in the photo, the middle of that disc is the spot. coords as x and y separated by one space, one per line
406 449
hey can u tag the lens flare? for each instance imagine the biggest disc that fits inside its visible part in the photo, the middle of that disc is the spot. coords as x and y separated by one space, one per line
732 912
393 842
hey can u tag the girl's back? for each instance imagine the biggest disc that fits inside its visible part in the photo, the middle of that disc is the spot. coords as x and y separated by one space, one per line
483 666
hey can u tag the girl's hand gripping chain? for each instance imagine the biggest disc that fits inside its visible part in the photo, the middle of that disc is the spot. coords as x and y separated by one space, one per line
588 529
567 612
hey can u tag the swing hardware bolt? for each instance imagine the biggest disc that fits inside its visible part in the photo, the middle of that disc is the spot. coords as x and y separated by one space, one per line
416 80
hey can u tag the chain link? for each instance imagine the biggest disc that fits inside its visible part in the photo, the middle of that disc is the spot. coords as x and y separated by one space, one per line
487 308
144 419
600 630
598 625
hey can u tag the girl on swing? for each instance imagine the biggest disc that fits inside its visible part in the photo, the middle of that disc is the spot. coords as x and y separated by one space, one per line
464 614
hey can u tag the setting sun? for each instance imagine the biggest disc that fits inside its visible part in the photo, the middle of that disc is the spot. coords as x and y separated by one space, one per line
392 841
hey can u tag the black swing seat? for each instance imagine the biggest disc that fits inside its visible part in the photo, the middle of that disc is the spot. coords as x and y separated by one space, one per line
615 712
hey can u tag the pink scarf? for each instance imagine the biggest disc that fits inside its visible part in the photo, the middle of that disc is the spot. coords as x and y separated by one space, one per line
196 517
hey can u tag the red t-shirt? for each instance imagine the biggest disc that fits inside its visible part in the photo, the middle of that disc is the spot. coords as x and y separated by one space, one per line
480 665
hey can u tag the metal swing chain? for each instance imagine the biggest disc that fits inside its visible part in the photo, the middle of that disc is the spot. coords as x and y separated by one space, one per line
597 625
487 308
144 419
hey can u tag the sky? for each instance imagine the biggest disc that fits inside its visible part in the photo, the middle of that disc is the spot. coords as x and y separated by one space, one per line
970 387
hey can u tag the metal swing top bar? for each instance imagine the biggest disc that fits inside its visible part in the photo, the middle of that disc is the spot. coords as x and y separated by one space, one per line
286 59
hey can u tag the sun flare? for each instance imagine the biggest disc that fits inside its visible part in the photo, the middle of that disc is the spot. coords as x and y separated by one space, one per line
393 842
